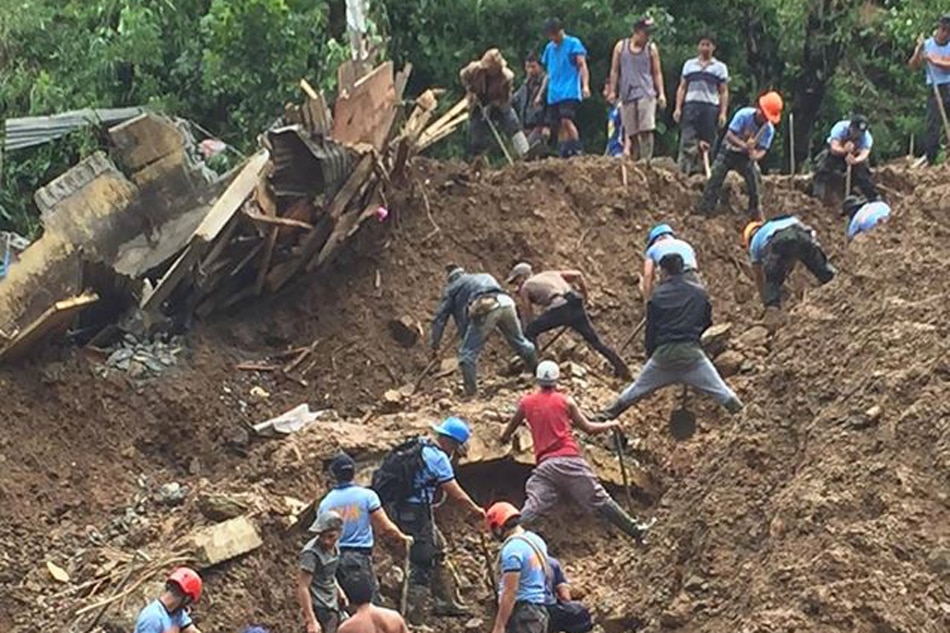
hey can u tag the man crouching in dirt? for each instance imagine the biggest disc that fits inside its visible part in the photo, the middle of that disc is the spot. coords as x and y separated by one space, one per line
478 305
170 611
488 85
367 617
560 468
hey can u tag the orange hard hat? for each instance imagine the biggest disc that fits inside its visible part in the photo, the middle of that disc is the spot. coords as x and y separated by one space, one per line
188 581
771 105
499 514
749 231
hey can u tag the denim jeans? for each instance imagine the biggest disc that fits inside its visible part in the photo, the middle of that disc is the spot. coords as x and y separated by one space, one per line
504 317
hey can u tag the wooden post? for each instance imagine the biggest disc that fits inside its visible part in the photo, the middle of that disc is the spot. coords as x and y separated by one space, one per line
910 149
791 140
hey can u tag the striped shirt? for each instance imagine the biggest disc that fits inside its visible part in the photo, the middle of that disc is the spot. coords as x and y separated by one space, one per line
703 80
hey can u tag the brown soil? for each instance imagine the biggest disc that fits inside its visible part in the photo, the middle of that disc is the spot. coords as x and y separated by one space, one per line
803 514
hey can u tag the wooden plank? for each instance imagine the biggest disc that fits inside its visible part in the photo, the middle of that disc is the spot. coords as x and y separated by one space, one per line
266 261
345 228
263 219
53 321
402 78
315 110
366 114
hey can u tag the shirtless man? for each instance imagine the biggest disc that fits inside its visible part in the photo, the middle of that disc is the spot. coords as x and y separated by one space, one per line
563 306
368 618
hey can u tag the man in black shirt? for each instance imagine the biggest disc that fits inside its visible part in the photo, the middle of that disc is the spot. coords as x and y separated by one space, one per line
677 315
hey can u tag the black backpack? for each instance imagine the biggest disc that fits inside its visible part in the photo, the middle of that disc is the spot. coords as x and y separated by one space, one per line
394 480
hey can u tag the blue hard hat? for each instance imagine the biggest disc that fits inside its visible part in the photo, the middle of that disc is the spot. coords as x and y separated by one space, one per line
453 428
657 232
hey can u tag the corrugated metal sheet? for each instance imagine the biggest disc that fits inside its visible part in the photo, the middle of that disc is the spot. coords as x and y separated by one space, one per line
36 130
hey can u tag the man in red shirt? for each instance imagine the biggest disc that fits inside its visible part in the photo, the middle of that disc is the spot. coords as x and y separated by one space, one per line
560 468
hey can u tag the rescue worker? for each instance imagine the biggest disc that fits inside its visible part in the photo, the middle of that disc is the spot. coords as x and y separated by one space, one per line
170 611
318 594
564 614
525 102
933 53
677 315
560 469
863 215
774 246
367 617
478 305
554 291
566 84
488 86
429 575
661 241
849 145
747 140
702 101
524 572
636 80
362 514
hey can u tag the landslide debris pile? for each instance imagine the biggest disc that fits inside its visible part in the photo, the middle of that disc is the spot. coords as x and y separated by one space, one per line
823 507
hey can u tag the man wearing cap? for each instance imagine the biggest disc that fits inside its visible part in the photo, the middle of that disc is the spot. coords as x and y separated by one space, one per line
934 54
318 594
677 315
429 572
863 215
362 513
662 241
747 140
702 101
560 468
849 146
479 306
488 84
774 246
566 84
554 290
636 78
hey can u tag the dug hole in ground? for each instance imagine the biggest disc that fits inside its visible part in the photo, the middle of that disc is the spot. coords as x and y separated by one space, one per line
822 507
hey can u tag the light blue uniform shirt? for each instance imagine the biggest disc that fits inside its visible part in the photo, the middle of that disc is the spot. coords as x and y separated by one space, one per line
437 471
765 233
354 504
744 126
867 217
560 61
674 246
841 130
155 618
941 75
519 556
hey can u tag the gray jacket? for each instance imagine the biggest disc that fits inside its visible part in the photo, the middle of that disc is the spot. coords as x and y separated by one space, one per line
456 298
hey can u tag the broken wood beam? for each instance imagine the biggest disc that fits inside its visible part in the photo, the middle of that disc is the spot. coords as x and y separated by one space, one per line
266 261
277 221
54 320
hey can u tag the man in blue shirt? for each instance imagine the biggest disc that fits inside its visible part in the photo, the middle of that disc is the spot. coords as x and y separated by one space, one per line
361 512
702 101
524 573
662 241
169 612
934 54
566 84
863 215
747 140
774 246
849 144
429 573
564 614
479 306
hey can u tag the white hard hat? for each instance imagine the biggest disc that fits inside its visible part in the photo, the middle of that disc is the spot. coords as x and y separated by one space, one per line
547 373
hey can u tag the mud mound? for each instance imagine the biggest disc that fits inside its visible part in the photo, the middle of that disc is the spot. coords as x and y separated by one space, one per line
824 508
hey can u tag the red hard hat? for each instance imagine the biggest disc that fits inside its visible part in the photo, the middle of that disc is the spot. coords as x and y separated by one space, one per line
499 514
188 580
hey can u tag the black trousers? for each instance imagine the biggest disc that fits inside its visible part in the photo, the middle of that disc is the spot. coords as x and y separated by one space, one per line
935 133
356 569
700 122
830 165
573 314
726 161
784 248
428 548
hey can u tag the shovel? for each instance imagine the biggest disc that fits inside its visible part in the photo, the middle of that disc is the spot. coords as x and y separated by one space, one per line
847 182
619 441
682 420
404 590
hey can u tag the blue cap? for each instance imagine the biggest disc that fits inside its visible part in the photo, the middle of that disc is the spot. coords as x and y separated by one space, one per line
453 428
657 232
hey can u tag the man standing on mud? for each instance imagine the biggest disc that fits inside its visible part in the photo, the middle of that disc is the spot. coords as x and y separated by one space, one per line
554 290
318 594
525 102
702 101
478 305
488 85
934 54
566 84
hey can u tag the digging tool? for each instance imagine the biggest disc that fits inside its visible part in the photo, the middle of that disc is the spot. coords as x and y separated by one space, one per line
497 136
943 113
633 335
618 446
623 171
683 421
847 181
545 347
404 590
486 553
704 148
791 142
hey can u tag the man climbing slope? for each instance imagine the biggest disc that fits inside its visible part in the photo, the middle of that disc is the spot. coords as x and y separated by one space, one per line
636 80
662 241
524 572
863 215
747 140
478 305
677 315
566 84
488 86
554 290
702 101
560 469
774 246
933 53
849 146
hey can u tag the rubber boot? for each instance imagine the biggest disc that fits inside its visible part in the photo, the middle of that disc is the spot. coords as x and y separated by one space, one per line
444 593
419 600
520 143
734 406
630 526
469 379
